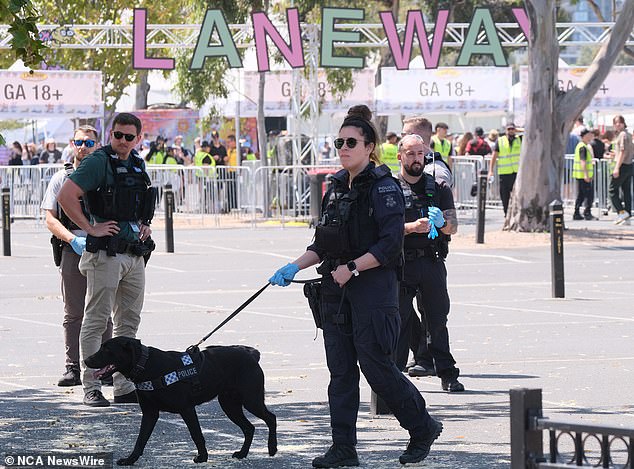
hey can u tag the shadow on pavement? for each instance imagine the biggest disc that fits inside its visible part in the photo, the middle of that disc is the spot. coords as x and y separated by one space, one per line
36 420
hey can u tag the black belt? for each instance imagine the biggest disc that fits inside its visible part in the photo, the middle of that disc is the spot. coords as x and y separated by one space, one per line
111 245
411 254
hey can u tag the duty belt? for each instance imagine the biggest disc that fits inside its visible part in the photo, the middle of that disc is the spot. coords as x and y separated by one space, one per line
411 254
111 245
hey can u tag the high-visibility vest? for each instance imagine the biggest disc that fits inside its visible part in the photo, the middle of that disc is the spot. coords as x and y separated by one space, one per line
157 158
200 156
441 146
508 161
577 171
390 156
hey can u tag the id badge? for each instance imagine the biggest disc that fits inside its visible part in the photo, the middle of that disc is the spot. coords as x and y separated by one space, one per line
135 227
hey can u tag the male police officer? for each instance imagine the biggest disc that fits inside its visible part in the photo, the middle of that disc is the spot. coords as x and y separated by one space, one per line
426 203
72 241
120 200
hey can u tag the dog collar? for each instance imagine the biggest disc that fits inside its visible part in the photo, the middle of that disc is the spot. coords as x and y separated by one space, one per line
140 365
188 372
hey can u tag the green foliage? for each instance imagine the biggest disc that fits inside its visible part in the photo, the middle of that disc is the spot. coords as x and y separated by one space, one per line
116 64
25 43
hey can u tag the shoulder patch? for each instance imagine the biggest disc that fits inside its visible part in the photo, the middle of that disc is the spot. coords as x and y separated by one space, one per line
389 200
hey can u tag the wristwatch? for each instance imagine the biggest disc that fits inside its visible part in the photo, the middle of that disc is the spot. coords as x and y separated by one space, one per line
352 267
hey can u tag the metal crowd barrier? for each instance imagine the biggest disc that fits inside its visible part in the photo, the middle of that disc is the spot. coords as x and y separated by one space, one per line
570 444
252 193
466 168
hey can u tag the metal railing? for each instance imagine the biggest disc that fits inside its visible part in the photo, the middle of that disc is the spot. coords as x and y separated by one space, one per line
253 193
569 444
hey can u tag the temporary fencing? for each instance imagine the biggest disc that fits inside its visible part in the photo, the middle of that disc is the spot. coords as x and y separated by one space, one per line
253 194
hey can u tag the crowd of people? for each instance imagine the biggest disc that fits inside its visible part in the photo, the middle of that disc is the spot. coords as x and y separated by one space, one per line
584 144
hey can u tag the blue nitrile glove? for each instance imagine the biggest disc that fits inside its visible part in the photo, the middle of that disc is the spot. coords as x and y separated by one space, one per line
78 243
433 232
284 275
436 216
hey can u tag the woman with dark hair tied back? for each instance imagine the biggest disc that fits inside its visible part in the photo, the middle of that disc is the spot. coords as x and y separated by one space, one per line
359 243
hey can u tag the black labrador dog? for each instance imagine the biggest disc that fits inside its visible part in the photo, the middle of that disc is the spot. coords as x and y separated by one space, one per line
179 381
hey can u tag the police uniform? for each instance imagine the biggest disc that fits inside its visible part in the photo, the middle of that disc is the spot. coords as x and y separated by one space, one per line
361 321
114 266
424 271
73 283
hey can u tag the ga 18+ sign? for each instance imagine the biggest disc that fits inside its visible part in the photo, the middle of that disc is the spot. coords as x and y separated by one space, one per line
50 93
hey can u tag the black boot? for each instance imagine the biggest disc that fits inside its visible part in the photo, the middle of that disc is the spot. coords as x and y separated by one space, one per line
577 215
338 456
449 381
71 377
418 447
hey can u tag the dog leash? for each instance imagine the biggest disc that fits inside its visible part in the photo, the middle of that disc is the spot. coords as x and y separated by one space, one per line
241 307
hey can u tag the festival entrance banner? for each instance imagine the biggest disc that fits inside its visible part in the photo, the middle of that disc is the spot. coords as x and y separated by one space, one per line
616 94
48 93
278 92
444 90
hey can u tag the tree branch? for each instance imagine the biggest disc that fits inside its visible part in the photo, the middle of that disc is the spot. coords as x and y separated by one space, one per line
577 99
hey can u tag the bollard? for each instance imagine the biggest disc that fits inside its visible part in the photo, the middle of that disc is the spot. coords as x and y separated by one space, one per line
527 445
482 201
6 221
378 405
557 248
169 218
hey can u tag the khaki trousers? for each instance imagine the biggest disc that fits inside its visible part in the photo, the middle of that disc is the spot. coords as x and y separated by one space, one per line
114 285
74 295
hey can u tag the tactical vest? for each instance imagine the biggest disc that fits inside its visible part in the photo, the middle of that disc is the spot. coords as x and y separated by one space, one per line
508 161
347 229
577 172
417 206
64 219
131 198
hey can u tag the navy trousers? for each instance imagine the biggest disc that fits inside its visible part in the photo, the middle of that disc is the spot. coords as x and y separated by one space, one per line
361 330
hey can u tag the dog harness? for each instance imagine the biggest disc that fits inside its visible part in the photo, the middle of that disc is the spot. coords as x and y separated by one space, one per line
188 372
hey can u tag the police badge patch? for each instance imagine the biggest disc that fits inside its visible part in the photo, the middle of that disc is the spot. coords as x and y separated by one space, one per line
390 201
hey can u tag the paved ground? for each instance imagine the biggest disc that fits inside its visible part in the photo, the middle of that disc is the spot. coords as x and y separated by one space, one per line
506 332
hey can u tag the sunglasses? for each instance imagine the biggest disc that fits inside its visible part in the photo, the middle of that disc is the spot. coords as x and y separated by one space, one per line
88 143
119 135
350 142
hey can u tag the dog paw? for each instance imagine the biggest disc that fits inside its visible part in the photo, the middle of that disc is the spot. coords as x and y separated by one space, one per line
239 454
201 458
126 461
272 450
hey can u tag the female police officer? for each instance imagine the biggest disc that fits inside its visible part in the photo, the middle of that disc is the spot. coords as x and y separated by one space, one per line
359 240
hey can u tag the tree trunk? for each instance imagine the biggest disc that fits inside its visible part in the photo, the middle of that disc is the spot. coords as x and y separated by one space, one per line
551 112
261 119
142 90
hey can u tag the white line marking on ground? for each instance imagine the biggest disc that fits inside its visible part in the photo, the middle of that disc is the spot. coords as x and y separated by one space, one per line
41 323
493 256
561 313
154 266
228 310
263 253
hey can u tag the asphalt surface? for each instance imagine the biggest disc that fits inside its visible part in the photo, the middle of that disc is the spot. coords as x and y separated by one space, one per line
506 332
